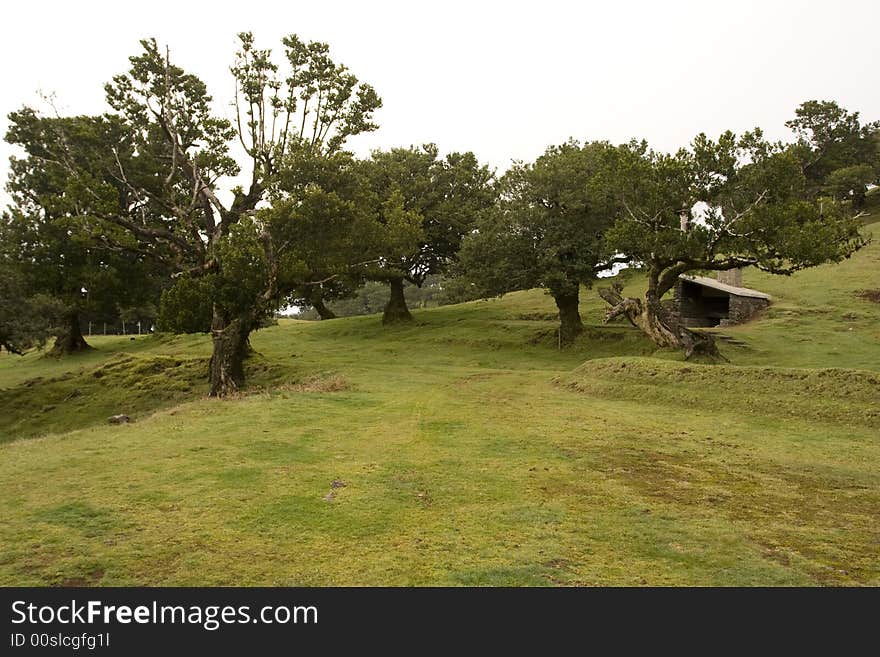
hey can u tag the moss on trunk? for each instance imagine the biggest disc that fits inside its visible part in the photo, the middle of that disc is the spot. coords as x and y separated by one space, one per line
570 324
231 347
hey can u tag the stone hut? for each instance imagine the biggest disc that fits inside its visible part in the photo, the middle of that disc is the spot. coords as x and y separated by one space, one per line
706 302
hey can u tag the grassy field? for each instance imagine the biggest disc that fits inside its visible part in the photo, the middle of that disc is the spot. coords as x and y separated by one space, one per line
462 450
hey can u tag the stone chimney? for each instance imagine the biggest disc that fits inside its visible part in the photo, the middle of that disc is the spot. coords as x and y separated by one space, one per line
732 277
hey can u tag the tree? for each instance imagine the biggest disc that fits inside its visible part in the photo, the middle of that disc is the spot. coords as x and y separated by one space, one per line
755 214
331 219
186 306
444 197
547 230
372 296
317 295
850 183
365 299
168 167
832 138
56 244
26 320
331 274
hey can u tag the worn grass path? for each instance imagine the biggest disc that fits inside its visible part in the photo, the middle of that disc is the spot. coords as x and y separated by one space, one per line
464 450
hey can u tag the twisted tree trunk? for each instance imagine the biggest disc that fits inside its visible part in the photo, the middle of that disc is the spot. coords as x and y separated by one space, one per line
396 309
570 324
70 340
321 308
231 347
657 323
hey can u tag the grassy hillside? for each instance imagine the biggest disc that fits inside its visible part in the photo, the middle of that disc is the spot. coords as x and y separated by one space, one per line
465 449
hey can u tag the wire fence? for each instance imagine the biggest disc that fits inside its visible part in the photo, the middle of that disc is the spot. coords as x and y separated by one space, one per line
118 327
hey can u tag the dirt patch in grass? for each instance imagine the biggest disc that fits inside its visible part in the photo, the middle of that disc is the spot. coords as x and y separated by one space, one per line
869 295
477 378
89 579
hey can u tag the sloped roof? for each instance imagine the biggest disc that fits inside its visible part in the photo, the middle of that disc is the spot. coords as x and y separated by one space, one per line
730 289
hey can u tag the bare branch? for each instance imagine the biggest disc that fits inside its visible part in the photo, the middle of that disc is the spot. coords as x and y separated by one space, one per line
351 266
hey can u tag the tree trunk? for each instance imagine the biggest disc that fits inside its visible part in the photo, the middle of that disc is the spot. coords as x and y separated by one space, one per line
570 325
654 321
323 311
396 310
858 199
70 340
231 347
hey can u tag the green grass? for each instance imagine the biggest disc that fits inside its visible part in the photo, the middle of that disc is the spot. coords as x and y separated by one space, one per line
465 450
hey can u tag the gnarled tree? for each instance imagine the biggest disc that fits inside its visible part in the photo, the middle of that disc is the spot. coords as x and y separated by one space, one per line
169 166
836 148
720 205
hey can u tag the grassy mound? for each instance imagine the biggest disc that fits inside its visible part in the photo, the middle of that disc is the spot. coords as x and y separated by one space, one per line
827 395
126 384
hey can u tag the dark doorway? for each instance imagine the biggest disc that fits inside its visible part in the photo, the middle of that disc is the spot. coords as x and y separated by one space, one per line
703 306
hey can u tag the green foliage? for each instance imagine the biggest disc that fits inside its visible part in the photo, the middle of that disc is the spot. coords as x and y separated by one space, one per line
425 206
26 320
146 313
184 105
832 138
754 211
367 299
850 183
400 215
245 272
186 305
68 178
323 205
548 229
332 104
69 167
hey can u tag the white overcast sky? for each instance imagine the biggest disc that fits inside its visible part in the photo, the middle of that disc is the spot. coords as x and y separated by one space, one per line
504 79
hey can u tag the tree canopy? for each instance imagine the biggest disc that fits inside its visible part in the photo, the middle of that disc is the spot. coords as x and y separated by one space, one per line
26 319
441 200
838 150
154 173
548 229
719 205
59 246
